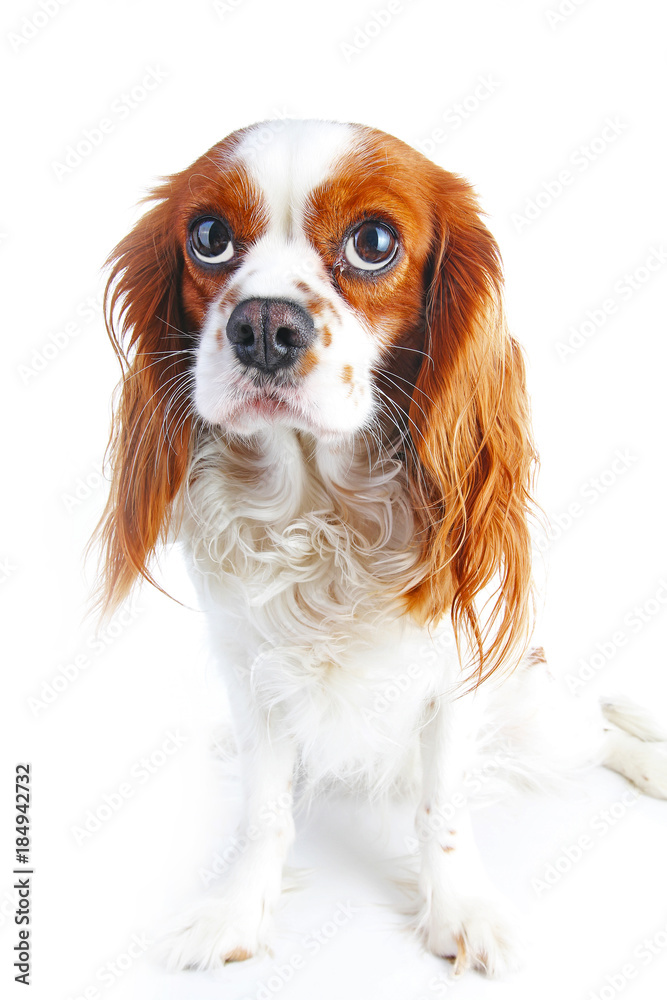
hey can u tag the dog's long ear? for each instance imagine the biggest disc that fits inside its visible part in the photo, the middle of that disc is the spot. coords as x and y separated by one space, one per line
152 423
471 432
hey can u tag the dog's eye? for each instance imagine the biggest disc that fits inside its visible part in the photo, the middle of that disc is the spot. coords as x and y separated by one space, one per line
211 241
371 246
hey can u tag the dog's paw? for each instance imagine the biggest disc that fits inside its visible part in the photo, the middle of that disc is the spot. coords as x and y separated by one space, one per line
474 932
218 931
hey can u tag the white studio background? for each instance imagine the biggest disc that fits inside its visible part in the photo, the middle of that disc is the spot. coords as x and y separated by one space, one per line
555 111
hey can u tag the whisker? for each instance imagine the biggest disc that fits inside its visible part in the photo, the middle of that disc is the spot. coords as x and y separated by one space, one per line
182 333
153 354
392 375
404 420
390 379
413 350
180 395
136 421
144 368
406 437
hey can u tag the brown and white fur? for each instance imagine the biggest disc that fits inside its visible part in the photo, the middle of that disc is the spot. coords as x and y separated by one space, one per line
322 401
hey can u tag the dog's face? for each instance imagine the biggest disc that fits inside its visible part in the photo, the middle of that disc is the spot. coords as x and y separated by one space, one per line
330 279
304 247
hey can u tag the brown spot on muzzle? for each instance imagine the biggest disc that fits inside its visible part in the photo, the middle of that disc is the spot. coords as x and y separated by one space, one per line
307 362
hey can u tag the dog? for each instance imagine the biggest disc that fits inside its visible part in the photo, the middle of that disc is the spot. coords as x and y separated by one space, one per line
322 401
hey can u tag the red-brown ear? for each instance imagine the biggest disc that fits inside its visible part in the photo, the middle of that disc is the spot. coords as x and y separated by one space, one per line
152 423
471 433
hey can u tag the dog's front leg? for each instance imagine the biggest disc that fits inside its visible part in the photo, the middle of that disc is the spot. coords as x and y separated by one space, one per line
462 917
234 923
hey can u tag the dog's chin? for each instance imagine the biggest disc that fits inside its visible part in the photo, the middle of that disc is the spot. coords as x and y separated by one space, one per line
266 414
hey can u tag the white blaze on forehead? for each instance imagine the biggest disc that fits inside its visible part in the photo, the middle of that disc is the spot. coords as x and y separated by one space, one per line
275 267
288 160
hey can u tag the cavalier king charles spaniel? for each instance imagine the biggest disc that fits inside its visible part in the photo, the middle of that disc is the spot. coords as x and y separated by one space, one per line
322 401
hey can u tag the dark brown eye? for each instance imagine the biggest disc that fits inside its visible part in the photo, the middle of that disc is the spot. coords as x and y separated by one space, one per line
210 240
371 246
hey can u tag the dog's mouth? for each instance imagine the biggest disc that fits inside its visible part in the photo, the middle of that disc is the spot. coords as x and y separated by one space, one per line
269 405
271 400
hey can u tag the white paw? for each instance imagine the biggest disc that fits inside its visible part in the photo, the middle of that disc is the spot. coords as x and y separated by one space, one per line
219 930
474 932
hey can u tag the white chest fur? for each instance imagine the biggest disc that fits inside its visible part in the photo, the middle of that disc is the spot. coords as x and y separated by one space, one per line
300 552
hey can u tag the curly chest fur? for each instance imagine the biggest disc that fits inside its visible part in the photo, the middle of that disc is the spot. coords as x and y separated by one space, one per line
312 545
301 556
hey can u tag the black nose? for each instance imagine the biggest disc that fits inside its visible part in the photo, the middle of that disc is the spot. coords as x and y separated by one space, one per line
269 334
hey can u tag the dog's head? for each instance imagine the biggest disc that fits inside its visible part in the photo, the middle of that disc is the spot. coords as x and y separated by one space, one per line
328 278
